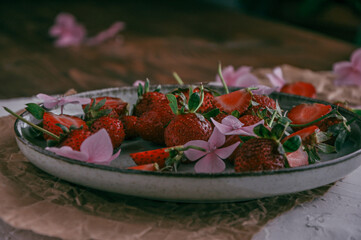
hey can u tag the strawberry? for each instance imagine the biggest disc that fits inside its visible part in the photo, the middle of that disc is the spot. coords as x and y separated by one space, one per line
129 124
262 102
186 127
306 134
146 167
183 97
153 156
265 152
305 113
249 120
113 126
234 101
259 154
75 138
151 125
105 106
300 88
50 120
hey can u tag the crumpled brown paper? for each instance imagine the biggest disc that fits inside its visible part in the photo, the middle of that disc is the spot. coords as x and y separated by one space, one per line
33 200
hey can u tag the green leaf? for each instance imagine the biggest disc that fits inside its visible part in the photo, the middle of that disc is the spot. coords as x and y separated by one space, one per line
99 104
262 131
278 108
245 138
312 155
236 114
140 90
35 110
159 87
326 148
211 114
357 111
292 144
194 102
65 129
173 103
284 120
277 131
340 140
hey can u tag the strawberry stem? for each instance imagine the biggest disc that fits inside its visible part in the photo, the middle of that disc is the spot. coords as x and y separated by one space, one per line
32 124
315 121
178 79
222 79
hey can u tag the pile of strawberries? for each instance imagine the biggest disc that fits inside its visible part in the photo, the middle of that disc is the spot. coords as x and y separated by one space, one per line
171 120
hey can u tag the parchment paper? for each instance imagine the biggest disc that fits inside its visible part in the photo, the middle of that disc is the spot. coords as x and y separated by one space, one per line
33 200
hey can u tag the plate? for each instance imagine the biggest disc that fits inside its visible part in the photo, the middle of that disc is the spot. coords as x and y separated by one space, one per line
185 185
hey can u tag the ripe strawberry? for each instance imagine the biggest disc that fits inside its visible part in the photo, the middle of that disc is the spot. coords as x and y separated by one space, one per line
207 104
148 101
75 138
300 88
259 154
307 134
238 100
249 120
153 156
263 102
151 125
113 126
50 120
146 167
186 127
306 113
129 124
117 106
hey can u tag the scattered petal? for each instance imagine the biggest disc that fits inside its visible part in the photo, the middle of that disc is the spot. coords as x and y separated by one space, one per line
242 77
106 34
137 82
276 78
264 90
53 102
349 73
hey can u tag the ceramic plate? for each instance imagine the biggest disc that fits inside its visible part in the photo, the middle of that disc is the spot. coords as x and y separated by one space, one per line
185 185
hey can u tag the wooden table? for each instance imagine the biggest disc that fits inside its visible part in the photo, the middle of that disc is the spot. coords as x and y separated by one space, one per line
161 37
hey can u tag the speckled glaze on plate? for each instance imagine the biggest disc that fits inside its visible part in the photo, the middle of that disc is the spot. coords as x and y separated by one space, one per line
185 185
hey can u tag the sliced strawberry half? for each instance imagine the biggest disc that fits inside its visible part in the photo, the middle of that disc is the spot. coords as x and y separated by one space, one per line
238 100
50 120
305 113
297 158
305 133
146 167
300 88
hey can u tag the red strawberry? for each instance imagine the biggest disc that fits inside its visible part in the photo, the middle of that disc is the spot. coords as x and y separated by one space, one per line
50 120
305 113
263 101
258 154
148 101
306 134
249 120
75 138
151 125
300 88
153 156
113 126
129 124
118 106
238 100
146 167
186 127
207 104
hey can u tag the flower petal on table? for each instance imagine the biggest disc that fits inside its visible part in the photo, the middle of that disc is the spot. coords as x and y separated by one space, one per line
356 59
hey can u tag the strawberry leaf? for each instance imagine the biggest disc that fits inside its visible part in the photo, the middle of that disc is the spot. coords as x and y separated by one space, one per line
340 140
100 104
146 86
245 138
262 131
140 90
277 131
194 102
211 114
292 144
236 114
35 110
172 103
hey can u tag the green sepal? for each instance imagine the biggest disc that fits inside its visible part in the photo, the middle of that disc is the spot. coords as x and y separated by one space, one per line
262 131
340 140
211 114
158 88
313 156
236 114
35 110
277 131
194 101
172 103
284 120
99 104
357 111
140 90
245 138
63 128
292 144
52 143
326 148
